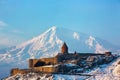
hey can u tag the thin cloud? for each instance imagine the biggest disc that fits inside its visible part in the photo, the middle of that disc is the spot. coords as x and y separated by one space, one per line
10 40
3 24
17 31
5 41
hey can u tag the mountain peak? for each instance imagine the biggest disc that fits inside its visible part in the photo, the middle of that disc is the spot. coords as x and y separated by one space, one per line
52 29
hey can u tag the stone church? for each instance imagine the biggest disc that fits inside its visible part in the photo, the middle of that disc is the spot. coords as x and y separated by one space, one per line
57 63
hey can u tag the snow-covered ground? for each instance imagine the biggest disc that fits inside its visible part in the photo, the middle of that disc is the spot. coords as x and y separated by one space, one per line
36 76
107 72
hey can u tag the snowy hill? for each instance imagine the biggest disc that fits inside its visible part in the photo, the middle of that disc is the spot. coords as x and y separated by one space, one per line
107 71
49 44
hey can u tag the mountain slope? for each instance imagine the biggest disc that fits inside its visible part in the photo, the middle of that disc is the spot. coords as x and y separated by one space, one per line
49 44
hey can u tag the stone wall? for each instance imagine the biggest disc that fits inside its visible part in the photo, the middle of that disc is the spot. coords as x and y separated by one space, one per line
47 69
46 61
17 70
49 60
32 62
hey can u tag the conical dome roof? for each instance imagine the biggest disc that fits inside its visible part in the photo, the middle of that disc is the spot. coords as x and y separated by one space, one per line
64 48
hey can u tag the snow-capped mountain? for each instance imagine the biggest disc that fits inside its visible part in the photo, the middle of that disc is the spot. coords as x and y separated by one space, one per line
49 44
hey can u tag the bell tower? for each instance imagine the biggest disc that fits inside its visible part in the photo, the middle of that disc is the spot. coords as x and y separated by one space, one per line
64 49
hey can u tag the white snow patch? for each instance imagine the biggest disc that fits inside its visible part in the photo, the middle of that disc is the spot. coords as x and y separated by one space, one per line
35 76
116 71
90 41
76 36
70 64
100 49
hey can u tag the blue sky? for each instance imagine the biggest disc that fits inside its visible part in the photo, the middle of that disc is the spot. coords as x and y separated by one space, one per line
20 20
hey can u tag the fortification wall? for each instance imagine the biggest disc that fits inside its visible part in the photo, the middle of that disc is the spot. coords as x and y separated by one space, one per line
46 69
16 71
49 60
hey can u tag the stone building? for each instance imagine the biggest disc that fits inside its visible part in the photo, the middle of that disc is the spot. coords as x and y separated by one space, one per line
55 64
